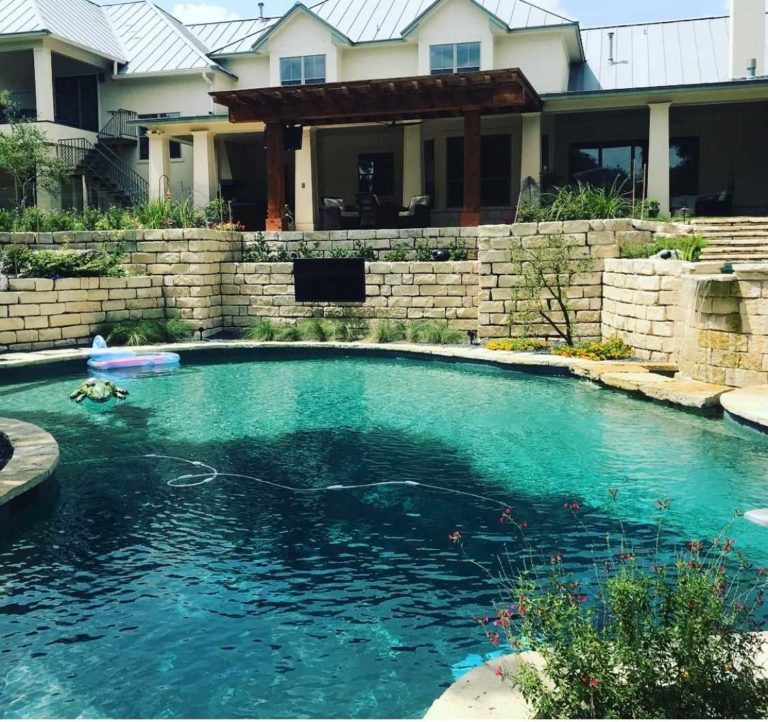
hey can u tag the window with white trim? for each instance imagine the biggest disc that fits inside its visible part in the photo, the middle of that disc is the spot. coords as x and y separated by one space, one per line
302 70
454 58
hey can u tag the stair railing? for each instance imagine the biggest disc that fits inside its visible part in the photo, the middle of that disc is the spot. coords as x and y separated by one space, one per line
102 163
119 125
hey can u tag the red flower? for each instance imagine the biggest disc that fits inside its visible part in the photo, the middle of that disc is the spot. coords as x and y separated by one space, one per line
455 537
499 672
594 682
663 503
556 559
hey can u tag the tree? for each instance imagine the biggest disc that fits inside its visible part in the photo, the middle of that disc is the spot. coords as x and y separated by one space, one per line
27 156
543 290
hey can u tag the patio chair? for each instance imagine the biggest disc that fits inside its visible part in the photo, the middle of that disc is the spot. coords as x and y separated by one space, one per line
418 213
336 216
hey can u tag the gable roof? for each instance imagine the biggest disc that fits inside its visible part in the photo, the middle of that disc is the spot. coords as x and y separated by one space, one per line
155 41
78 22
299 9
649 55
371 20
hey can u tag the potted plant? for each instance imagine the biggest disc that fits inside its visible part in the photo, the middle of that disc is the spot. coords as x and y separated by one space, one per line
653 208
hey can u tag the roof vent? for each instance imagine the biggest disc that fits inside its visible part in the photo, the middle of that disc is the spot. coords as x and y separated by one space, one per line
611 58
261 11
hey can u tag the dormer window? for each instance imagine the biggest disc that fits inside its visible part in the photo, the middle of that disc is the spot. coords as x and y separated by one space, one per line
302 70
454 58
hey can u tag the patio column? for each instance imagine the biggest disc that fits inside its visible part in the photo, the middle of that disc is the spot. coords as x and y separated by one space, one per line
530 157
658 155
412 155
159 172
203 167
44 84
470 216
304 193
275 176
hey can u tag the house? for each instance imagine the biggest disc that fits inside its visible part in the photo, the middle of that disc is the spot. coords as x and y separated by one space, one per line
474 103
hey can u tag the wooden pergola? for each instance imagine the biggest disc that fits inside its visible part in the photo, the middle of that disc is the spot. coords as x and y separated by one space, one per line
467 95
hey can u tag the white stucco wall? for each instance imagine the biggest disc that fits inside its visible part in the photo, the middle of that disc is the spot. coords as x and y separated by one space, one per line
390 60
455 21
252 71
542 56
302 35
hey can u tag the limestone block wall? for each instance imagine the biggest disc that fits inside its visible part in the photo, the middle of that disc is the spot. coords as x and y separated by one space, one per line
641 305
380 241
501 255
187 263
723 327
395 290
42 313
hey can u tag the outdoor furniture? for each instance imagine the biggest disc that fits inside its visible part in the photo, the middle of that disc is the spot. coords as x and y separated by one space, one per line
720 204
336 216
368 204
418 213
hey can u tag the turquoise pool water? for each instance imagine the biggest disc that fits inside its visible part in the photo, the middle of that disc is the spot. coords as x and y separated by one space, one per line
123 596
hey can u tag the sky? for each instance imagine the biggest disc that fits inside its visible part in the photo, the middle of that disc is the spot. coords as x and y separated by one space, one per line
591 13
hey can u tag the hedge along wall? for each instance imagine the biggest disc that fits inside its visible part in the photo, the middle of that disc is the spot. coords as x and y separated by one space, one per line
380 241
41 313
395 290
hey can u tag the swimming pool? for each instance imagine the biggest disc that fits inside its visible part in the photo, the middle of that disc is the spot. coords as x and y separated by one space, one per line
124 596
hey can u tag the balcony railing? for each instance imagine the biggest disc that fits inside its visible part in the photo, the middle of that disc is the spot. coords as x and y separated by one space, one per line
22 104
119 125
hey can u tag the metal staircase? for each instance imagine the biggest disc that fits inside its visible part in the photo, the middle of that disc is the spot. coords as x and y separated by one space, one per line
105 170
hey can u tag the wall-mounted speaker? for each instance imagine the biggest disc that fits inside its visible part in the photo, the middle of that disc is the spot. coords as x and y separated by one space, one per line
292 135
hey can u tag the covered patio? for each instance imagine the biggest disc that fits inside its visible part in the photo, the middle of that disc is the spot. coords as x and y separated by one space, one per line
301 109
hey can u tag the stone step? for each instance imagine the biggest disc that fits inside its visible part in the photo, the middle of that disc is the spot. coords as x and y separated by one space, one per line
737 233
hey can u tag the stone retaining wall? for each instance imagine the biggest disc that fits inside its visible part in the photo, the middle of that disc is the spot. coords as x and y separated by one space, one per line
723 331
41 313
395 290
502 250
641 305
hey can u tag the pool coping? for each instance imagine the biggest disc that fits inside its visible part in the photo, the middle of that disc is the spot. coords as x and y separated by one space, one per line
748 406
35 455
645 379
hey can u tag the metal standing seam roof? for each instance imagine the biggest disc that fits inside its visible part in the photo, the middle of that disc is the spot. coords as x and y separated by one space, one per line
649 55
79 22
155 41
231 36
370 20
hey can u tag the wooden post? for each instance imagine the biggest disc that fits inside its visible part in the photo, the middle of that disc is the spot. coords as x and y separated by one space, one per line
471 213
275 177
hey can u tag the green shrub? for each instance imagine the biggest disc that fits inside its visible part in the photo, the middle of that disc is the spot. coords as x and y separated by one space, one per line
260 251
688 246
612 349
458 250
15 259
651 634
388 332
347 331
288 332
339 252
398 253
66 263
263 330
585 202
517 344
360 249
434 332
143 332
314 329
309 251
423 251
